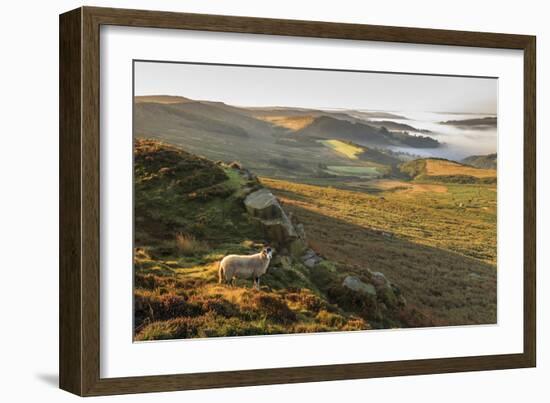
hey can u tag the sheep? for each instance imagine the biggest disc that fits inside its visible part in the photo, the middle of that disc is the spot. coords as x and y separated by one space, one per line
239 266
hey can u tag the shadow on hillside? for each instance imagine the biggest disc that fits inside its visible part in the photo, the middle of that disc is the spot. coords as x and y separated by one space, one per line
451 288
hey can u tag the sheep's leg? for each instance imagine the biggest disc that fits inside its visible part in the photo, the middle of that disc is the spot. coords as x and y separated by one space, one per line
258 282
220 274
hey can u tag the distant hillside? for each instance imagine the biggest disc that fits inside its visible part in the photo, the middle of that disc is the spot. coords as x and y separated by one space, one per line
390 125
275 142
162 99
375 114
266 113
289 122
480 123
435 169
162 115
482 161
325 127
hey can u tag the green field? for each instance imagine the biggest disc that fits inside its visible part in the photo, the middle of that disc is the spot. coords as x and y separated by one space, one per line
346 170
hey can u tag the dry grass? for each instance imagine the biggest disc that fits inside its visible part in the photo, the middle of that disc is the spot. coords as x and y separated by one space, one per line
431 219
289 122
189 245
408 187
440 248
436 167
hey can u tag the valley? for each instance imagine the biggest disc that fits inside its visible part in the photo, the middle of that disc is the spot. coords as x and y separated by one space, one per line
427 225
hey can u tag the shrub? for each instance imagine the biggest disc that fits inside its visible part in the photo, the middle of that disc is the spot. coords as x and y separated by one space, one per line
410 316
356 324
210 192
274 308
177 328
219 306
310 328
330 319
354 302
154 306
189 245
149 281
306 300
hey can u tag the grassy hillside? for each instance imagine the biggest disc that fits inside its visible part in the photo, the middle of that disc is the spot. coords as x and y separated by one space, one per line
488 161
189 213
373 163
325 127
437 241
289 122
436 169
276 133
391 125
480 123
259 139
348 149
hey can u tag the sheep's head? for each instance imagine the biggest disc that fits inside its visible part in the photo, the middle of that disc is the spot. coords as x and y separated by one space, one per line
267 252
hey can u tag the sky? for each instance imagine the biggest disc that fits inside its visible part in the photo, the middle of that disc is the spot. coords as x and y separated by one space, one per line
257 86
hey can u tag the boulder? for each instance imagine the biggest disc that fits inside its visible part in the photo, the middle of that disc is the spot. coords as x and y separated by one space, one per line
355 284
310 258
278 231
249 175
265 207
300 230
387 292
309 254
310 263
379 280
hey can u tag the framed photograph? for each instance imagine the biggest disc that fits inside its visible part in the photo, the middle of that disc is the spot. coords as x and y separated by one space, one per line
251 201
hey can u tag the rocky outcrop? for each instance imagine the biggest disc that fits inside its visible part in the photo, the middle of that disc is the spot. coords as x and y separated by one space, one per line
355 284
264 205
310 259
277 226
376 288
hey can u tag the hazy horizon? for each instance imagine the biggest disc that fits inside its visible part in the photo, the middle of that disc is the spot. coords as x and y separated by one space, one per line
259 87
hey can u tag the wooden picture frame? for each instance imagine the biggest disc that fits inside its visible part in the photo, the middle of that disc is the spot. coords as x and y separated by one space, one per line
79 200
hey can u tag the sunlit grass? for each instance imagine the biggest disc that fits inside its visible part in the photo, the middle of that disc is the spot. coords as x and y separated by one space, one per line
289 122
349 150
436 167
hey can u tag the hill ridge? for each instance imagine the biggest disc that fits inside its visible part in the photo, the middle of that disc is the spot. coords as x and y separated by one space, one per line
445 170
